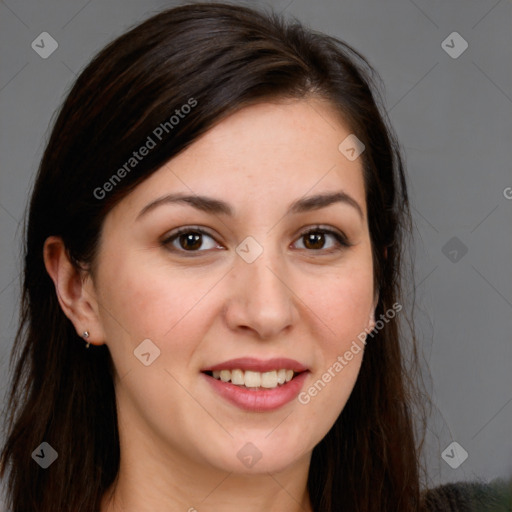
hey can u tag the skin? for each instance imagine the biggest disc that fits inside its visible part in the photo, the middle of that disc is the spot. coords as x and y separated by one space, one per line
179 439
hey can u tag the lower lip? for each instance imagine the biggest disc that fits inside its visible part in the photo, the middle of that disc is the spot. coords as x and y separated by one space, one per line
260 400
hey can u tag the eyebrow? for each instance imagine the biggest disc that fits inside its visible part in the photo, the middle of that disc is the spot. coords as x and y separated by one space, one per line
218 207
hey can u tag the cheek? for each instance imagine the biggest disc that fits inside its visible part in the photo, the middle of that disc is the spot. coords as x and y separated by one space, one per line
343 303
137 305
146 300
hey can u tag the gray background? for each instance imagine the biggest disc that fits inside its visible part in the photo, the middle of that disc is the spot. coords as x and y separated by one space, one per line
453 117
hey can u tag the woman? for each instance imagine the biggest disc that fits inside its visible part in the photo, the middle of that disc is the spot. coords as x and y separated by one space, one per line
212 282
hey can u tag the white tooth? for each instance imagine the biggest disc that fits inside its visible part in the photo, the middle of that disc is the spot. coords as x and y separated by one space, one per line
225 375
237 377
269 379
252 379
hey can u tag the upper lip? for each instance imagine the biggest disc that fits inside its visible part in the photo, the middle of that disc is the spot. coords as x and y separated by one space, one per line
258 365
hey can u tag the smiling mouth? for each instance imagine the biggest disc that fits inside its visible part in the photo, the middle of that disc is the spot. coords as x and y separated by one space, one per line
252 380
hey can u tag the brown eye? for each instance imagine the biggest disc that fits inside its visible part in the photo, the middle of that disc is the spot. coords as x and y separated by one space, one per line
321 239
315 240
190 240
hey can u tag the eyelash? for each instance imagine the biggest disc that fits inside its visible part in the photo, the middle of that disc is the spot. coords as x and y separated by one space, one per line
341 240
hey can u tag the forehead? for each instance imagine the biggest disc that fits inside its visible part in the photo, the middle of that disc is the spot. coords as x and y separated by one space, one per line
266 154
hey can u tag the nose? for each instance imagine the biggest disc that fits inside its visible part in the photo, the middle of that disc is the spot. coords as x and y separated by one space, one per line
261 299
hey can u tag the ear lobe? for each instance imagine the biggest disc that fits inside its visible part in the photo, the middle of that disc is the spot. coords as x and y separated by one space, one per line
70 285
371 323
376 299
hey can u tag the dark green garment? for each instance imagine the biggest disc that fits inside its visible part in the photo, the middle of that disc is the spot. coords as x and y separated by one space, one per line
495 496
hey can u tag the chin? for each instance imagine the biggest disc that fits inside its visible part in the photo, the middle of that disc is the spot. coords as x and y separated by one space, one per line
260 456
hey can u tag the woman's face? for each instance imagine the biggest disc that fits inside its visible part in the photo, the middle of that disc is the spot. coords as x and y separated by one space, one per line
241 281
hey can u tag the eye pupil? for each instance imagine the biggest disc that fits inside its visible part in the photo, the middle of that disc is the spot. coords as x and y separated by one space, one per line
314 240
190 241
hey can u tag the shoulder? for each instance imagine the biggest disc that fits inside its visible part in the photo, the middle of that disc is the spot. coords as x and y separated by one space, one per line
495 496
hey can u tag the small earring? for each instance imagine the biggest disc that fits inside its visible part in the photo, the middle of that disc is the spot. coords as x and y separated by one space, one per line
85 334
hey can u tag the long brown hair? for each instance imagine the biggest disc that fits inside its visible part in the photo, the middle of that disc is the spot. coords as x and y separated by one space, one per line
220 58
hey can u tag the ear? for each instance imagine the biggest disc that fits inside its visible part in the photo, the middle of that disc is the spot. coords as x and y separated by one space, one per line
371 321
75 290
376 299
